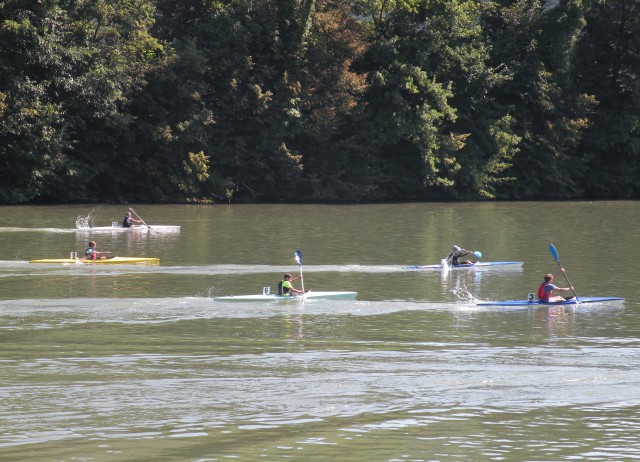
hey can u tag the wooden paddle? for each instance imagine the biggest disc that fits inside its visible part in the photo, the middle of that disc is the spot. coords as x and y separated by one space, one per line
554 253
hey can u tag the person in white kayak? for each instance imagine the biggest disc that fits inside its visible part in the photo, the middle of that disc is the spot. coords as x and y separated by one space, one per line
128 221
456 253
285 287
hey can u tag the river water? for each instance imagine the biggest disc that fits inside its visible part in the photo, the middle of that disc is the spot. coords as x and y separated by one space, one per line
139 363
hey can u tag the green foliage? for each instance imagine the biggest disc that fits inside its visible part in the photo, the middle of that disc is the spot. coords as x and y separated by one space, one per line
66 71
549 115
506 147
330 99
317 100
608 63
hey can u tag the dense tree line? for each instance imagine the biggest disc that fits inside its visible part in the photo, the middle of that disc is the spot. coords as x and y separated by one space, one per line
318 100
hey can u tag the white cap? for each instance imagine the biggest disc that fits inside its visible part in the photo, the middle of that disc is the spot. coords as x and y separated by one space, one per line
455 247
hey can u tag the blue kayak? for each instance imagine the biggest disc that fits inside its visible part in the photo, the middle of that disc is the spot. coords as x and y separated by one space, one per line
475 264
571 301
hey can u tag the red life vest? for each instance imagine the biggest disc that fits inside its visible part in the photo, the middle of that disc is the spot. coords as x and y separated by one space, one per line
541 293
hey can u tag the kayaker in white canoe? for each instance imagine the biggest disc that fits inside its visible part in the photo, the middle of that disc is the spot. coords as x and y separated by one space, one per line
285 287
545 290
128 221
92 254
458 252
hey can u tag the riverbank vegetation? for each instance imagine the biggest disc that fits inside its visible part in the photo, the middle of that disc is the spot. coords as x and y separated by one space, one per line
318 100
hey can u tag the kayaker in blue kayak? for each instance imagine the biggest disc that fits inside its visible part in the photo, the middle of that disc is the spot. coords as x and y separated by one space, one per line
128 221
456 253
545 290
285 287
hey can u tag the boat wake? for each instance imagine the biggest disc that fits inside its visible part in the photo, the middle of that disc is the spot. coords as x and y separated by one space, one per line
37 230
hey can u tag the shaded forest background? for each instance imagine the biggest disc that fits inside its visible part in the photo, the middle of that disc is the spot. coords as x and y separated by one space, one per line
318 100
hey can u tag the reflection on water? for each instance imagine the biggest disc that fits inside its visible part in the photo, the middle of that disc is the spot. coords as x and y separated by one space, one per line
139 363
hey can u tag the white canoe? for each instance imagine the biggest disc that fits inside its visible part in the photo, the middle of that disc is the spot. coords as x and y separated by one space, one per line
140 228
271 297
472 265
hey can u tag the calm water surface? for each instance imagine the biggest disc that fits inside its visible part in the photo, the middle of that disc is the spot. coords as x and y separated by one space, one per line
139 363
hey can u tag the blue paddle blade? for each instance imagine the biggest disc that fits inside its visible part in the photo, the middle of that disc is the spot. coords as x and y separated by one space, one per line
554 252
477 254
298 256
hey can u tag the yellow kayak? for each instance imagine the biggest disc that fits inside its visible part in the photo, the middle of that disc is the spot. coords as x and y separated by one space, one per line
107 261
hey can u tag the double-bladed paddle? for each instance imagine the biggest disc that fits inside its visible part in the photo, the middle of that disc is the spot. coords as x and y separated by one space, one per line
554 253
298 256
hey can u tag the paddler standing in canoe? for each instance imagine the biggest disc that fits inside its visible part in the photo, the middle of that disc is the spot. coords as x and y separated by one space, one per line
545 290
285 287
92 254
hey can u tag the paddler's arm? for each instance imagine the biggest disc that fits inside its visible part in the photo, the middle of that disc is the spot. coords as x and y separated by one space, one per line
561 270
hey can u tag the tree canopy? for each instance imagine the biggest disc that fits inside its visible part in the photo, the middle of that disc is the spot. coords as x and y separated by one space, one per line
318 100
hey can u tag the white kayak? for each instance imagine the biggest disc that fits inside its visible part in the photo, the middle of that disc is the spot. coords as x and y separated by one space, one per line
133 229
472 265
271 297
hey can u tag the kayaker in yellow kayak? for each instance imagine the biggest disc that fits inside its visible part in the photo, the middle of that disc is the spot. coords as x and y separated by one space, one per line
92 254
